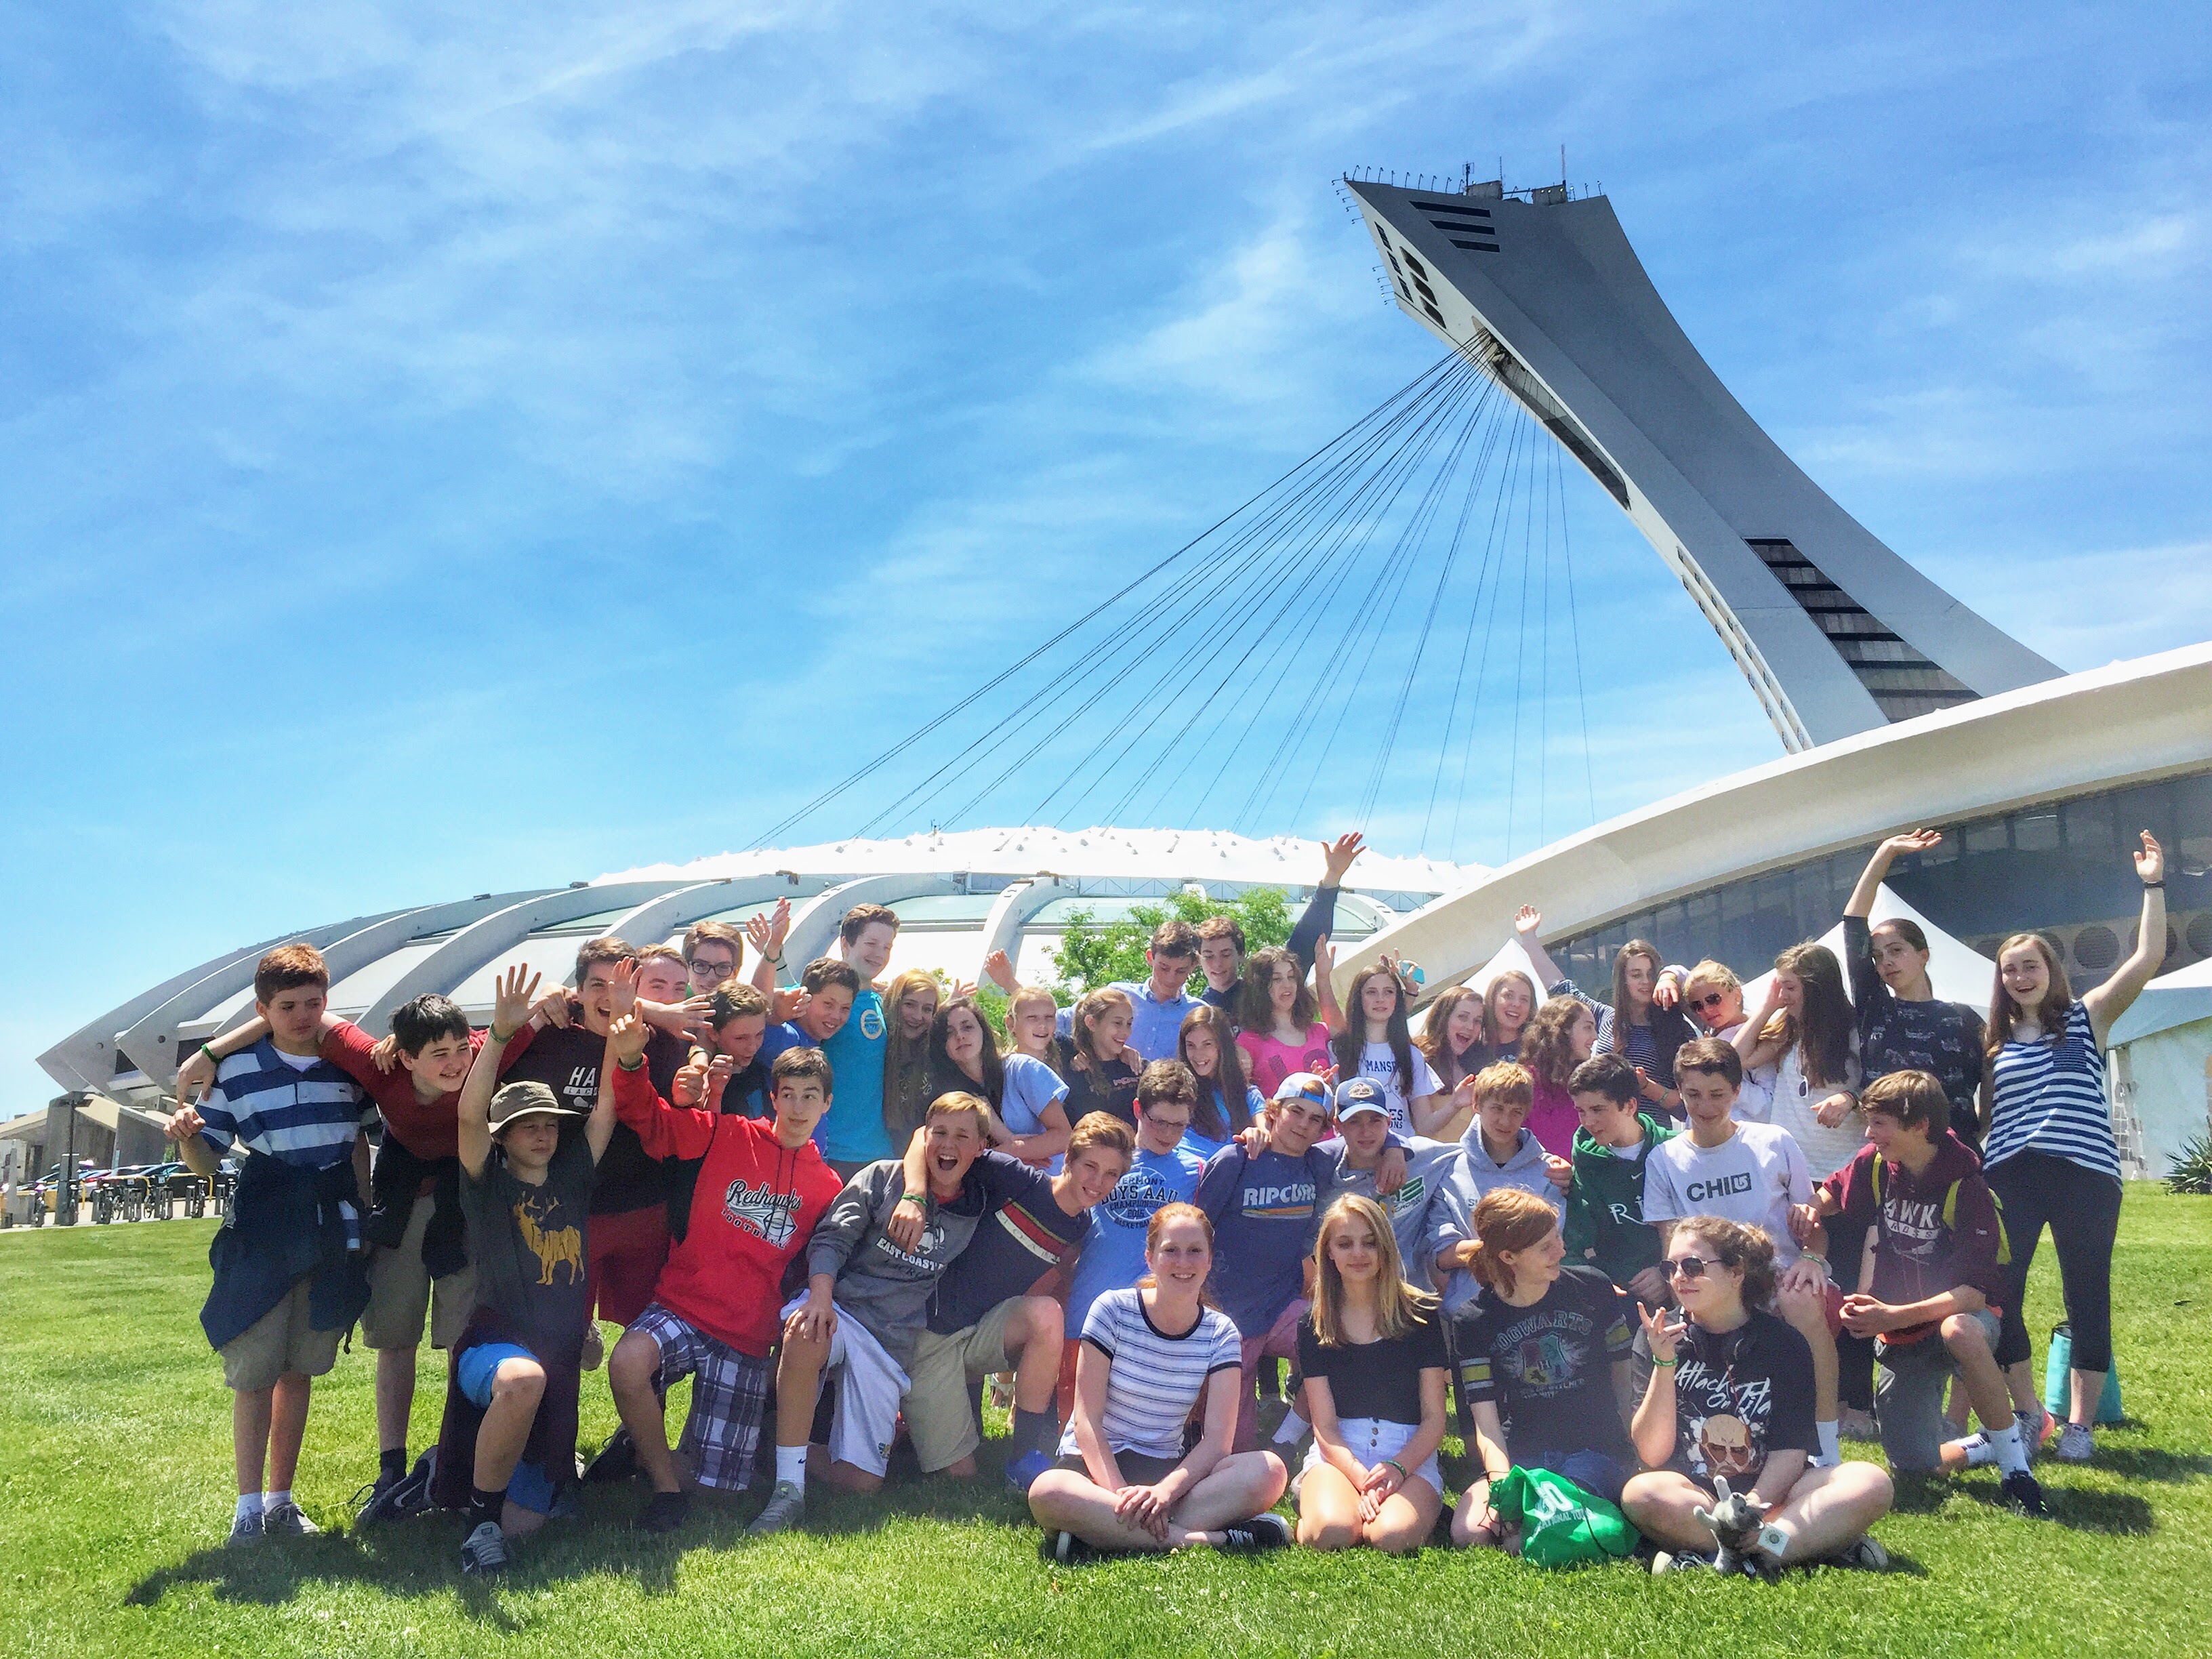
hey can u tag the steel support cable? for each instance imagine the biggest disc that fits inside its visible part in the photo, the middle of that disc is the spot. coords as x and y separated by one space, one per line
1391 411
1298 628
1305 563
1276 629
1544 659
1272 775
1318 607
1575 633
1520 649
1502 530
1375 777
1373 621
1411 389
1491 438
1201 604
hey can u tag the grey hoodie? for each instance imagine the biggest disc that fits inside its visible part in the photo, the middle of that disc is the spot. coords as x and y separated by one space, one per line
883 1287
1452 1215
1413 1208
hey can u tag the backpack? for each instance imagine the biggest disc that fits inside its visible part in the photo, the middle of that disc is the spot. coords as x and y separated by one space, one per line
1951 1210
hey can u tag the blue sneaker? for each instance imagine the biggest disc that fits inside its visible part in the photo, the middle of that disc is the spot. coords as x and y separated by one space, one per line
1022 1471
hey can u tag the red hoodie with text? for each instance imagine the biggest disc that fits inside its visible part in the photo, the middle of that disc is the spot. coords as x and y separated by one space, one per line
752 1212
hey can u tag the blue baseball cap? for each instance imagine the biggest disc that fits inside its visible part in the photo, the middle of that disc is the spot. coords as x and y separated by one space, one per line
1359 1094
1304 1085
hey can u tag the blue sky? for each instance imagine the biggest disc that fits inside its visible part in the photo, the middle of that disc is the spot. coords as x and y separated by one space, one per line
454 448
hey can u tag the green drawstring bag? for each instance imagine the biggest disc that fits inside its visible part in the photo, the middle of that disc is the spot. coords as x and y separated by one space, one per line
1561 1525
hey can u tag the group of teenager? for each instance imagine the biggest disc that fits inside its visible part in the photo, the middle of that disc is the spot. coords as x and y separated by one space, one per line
1664 1248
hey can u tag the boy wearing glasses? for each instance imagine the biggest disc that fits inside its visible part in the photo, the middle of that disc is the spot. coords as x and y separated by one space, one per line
713 953
1754 1173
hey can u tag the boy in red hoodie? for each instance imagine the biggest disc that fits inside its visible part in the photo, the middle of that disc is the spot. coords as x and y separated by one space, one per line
1929 1302
762 1186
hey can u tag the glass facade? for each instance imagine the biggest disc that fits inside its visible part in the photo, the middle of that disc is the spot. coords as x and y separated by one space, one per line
2059 867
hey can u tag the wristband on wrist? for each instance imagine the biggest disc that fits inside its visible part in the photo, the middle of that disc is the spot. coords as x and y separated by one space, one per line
1657 1362
494 1034
1494 1474
922 1198
1392 1462
2160 882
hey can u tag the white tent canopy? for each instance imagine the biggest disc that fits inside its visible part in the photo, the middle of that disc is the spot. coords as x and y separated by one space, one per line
2162 1065
1956 972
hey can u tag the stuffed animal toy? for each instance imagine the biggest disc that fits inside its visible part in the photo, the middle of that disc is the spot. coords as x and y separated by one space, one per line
1738 1526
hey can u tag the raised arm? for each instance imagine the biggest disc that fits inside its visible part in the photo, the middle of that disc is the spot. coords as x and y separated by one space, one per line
1861 903
1325 1001
768 933
1319 919
510 1007
2112 999
1652 1428
196 1075
1529 927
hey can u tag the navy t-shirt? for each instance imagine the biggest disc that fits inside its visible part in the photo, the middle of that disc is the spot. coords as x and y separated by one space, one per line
1024 1234
1264 1211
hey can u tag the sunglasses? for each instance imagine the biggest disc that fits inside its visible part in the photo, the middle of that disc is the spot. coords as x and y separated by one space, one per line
1692 1267
1712 1002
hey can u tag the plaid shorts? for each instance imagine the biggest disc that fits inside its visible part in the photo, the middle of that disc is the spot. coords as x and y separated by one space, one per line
729 1391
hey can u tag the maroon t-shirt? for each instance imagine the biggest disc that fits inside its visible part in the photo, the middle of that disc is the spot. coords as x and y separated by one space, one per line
1917 1252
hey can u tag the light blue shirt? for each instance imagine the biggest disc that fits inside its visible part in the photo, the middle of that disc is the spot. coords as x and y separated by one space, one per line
1157 1026
1113 1256
852 1132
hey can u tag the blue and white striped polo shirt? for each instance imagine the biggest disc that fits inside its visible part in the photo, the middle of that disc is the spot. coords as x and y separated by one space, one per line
2049 1097
300 1111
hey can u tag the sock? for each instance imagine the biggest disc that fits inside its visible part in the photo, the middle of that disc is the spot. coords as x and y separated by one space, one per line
249 1504
1292 1430
391 1461
1033 1431
2012 1457
276 1500
485 1505
791 1467
1831 1450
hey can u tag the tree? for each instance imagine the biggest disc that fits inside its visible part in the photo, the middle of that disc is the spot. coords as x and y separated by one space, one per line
1090 955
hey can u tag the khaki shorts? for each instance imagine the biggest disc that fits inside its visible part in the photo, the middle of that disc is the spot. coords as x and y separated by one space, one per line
940 1400
279 1343
400 1290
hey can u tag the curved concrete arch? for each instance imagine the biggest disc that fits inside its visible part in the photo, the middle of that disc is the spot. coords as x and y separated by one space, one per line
2131 723
151 1044
445 967
815 924
654 919
1833 631
1010 912
85 1058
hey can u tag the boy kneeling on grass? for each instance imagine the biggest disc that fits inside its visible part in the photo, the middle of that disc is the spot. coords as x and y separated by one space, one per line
288 1260
508 1444
1938 1244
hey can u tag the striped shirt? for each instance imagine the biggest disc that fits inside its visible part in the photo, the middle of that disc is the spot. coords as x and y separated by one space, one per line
1024 1237
1155 1378
297 1109
2049 1097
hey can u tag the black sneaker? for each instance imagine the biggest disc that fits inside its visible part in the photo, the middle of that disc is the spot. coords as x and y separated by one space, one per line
1864 1554
663 1511
2022 1492
618 1459
1070 1551
395 1500
1264 1531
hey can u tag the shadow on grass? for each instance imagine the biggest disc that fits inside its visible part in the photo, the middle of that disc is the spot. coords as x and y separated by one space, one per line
2082 1509
2149 1463
422 1556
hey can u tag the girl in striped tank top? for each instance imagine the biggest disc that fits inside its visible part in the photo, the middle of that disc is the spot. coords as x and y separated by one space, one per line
2050 1156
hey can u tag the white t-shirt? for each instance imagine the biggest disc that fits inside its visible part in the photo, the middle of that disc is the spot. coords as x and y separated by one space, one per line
1754 1176
1379 1066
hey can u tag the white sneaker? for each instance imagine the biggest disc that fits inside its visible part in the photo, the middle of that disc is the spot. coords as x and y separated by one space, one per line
486 1549
2077 1444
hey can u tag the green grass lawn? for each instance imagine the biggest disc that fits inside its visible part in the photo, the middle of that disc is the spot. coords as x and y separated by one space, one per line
115 1456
